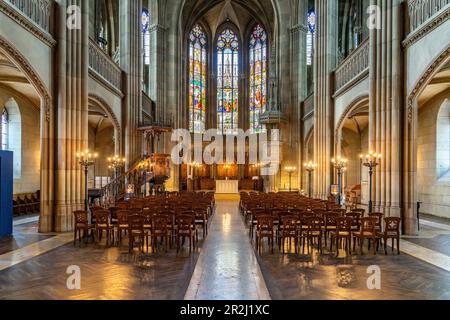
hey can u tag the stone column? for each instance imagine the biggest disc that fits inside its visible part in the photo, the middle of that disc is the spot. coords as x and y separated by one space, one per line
385 123
298 80
46 218
71 114
131 63
325 62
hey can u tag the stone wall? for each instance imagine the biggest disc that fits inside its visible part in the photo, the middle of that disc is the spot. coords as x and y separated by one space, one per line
24 141
433 187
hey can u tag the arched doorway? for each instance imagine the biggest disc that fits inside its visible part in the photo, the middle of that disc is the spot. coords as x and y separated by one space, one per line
433 146
352 140
425 124
104 138
26 95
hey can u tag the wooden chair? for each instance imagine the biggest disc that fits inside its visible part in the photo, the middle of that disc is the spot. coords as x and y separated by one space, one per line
313 231
161 231
288 230
102 224
122 223
391 231
379 218
201 219
186 229
81 224
367 232
264 229
343 231
356 216
113 214
136 230
330 220
361 211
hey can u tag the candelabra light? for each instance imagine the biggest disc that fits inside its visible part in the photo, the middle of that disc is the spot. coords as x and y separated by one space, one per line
290 170
86 159
371 161
340 165
145 167
115 163
310 167
194 165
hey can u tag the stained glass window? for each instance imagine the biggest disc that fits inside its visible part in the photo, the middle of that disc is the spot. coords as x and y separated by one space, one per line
227 82
258 77
311 20
4 130
146 35
197 80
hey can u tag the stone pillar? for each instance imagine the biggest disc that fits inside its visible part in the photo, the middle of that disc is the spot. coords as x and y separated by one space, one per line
385 123
71 114
131 63
325 62
46 218
298 80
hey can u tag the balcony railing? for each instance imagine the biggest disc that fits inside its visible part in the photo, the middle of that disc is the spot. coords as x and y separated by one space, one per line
39 11
422 10
103 65
353 66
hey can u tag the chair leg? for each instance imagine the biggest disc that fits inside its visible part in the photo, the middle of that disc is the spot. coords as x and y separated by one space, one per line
398 245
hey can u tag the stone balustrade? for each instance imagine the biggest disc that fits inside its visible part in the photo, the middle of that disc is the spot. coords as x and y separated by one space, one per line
39 11
353 66
103 65
308 105
422 10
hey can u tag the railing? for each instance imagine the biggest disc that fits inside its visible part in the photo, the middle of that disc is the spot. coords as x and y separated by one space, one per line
148 105
308 105
39 11
354 65
103 65
157 169
422 10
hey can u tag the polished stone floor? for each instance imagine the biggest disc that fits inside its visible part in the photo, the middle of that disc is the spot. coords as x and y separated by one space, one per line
25 233
225 266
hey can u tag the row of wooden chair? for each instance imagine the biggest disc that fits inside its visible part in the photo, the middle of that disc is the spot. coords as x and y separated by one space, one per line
141 220
27 204
290 216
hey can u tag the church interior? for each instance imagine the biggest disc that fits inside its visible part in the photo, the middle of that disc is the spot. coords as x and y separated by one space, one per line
225 149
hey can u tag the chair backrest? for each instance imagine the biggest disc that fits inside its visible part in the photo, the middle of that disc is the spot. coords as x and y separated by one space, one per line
344 224
113 212
392 225
331 219
101 216
122 216
356 216
81 217
368 225
378 216
136 222
185 222
361 211
289 222
315 223
160 222
341 212
265 222
148 216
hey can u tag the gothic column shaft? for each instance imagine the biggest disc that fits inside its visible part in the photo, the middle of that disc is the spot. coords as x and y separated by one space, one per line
385 103
131 63
325 62
72 114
